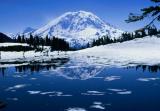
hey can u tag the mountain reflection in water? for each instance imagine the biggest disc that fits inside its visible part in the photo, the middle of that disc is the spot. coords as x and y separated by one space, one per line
65 85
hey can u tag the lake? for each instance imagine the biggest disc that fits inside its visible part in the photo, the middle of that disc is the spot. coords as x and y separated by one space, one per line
64 86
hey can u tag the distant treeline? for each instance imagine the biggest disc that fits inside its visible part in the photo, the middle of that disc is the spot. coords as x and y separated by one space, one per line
36 42
126 36
5 38
16 48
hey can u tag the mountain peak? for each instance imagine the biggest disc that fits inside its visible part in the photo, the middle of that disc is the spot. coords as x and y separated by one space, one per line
78 28
28 30
81 12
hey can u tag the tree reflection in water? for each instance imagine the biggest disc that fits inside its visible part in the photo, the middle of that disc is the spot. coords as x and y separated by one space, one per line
2 70
151 69
38 66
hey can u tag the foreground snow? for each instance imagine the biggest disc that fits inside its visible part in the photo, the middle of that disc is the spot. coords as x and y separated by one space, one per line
144 51
139 51
12 44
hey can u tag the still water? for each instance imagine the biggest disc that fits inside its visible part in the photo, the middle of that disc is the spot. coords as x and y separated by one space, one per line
61 86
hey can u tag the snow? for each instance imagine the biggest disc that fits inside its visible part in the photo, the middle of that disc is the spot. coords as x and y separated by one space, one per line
121 91
93 93
29 56
142 51
117 90
76 109
18 86
125 92
49 93
78 28
33 92
12 44
98 105
28 30
139 51
147 79
16 55
112 78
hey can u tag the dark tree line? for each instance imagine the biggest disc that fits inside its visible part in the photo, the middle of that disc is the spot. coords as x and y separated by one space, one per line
5 38
102 41
37 41
16 48
150 31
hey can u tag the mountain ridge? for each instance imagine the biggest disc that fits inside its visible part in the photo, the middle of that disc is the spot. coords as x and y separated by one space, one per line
78 28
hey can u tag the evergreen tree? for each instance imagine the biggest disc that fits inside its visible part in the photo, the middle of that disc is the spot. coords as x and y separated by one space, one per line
59 44
47 41
23 39
152 31
31 40
19 39
152 11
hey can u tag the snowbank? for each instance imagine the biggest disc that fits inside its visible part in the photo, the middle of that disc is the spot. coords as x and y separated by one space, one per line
12 44
139 51
142 51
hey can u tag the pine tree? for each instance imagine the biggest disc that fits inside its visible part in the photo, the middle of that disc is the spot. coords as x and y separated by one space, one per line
31 40
19 39
47 41
23 39
152 11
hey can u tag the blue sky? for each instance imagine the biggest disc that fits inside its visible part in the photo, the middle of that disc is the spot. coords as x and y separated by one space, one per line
16 15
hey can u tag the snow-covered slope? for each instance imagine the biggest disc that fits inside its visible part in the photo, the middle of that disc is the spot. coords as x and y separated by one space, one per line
28 30
78 28
145 51
138 51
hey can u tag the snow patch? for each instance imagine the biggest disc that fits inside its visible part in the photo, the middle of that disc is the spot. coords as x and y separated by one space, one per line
98 105
93 93
143 51
19 86
76 109
33 92
147 79
121 91
112 78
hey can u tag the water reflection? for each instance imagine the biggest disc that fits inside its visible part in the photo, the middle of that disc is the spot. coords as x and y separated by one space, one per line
151 69
2 104
71 72
104 92
2 70
79 72
38 66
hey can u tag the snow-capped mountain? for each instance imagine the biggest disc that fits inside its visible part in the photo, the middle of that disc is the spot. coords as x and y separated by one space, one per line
78 28
28 30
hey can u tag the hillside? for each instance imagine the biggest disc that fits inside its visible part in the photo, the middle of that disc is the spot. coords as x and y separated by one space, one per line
77 28
138 51
4 38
